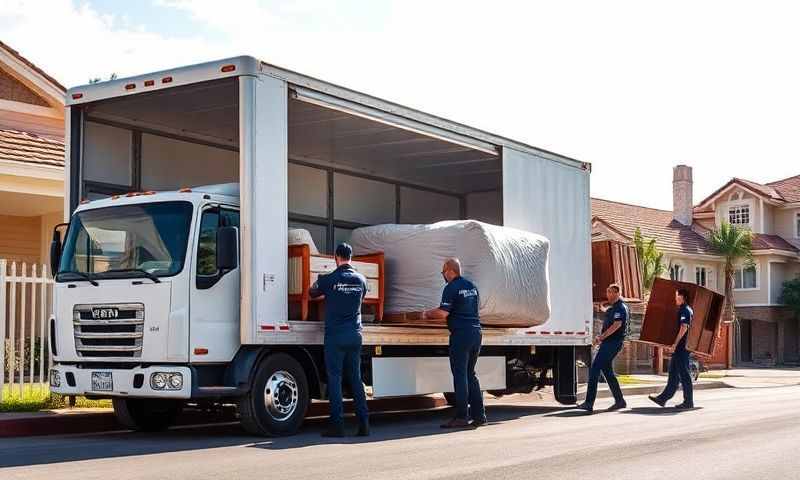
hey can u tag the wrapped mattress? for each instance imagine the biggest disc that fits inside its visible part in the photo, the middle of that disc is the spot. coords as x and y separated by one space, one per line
299 236
508 266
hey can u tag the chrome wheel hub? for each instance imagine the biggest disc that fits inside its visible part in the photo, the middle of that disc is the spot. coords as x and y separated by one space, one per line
281 396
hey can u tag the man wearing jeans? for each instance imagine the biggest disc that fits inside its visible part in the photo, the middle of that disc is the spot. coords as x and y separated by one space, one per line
344 289
460 304
611 340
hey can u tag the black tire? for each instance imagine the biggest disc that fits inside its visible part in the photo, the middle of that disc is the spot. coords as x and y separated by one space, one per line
281 380
146 414
450 398
565 376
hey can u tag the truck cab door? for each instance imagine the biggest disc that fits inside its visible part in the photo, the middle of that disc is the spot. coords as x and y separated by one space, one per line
214 299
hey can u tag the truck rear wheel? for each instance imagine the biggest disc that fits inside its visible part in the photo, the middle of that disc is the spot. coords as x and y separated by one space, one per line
146 414
278 400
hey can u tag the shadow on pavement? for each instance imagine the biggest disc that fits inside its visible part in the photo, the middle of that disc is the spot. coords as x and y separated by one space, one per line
27 451
657 410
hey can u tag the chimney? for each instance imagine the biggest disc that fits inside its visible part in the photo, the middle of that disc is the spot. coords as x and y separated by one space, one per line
682 203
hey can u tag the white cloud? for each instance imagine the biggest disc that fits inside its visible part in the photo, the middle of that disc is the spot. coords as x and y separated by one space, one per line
633 87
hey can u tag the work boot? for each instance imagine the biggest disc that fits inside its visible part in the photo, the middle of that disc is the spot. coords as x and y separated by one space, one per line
334 430
458 423
617 406
363 429
586 407
480 422
657 400
684 406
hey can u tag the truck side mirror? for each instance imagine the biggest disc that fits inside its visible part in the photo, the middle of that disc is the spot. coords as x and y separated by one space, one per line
227 248
55 250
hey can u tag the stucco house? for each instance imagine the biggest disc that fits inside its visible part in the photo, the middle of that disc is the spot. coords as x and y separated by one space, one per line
767 333
31 158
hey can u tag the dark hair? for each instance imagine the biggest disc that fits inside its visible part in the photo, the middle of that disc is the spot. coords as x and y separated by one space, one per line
615 287
683 292
344 251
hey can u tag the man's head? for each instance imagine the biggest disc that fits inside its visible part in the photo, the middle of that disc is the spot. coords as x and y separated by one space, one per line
681 296
613 292
344 253
451 269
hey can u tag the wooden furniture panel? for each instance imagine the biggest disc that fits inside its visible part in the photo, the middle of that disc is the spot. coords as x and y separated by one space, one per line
615 262
304 269
660 325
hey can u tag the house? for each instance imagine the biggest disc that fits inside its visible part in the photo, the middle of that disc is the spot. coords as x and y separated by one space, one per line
31 158
766 332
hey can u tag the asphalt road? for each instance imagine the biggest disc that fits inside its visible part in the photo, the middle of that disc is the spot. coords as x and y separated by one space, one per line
738 433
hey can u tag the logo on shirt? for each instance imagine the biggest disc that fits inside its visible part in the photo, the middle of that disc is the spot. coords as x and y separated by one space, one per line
466 293
347 289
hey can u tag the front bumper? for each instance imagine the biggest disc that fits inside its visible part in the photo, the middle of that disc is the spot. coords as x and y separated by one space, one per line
123 381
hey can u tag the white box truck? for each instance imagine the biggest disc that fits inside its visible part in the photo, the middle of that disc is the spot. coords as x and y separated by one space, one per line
170 293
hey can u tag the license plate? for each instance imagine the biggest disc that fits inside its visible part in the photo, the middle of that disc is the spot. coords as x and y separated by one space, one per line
102 382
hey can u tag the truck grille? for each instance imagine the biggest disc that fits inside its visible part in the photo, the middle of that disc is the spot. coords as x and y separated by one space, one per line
109 330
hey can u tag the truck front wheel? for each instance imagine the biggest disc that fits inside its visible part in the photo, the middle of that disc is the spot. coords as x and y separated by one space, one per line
278 399
146 414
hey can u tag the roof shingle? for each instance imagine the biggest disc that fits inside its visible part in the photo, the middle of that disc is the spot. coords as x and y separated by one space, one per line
28 148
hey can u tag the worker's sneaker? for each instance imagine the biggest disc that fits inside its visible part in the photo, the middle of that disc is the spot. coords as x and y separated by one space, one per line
335 430
585 407
617 406
363 429
458 423
657 400
684 406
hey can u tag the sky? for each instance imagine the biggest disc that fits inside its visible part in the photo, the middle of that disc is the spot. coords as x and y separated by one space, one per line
634 87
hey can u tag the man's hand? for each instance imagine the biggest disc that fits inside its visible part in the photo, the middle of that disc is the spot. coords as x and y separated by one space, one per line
669 349
598 340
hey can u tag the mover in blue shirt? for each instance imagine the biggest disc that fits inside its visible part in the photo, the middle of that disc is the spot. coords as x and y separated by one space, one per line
459 305
679 363
611 340
344 290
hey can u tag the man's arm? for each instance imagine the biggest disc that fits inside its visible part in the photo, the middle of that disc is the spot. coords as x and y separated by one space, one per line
681 332
610 331
318 289
443 310
435 313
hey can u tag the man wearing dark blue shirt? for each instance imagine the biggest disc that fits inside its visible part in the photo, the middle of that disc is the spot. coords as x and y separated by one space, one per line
459 305
679 371
344 290
611 340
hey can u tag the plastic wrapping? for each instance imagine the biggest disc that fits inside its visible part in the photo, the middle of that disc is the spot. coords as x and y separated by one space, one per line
508 266
298 236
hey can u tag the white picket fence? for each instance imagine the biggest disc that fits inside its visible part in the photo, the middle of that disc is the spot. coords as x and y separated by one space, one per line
26 293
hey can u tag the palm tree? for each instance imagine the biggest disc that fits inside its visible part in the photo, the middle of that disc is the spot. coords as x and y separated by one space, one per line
651 259
733 244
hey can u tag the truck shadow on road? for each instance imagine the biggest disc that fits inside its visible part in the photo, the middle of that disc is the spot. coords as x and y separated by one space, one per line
29 451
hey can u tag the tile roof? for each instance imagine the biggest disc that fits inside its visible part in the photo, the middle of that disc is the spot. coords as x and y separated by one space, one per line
670 235
788 188
32 66
771 242
28 148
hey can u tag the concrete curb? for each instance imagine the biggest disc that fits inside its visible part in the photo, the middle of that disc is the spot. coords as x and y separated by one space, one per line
97 422
657 387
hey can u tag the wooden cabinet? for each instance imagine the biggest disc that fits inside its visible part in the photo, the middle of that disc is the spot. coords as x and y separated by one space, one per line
660 324
615 262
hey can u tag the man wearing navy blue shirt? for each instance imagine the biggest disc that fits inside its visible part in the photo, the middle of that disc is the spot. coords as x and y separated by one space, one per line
459 305
344 290
611 340
679 371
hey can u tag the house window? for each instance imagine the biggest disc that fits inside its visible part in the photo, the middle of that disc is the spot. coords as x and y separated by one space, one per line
701 276
744 278
739 215
676 273
797 225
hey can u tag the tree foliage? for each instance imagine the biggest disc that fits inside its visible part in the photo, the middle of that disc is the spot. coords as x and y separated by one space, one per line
734 244
790 295
651 259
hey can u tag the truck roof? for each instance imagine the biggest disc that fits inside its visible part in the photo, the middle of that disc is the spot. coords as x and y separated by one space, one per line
248 65
223 193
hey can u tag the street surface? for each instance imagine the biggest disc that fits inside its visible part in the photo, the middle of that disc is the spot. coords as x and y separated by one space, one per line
738 433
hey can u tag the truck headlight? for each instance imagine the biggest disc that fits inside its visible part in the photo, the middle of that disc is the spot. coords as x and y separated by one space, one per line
55 378
166 381
158 381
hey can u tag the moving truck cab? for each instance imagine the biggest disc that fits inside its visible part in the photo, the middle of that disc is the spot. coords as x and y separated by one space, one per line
168 296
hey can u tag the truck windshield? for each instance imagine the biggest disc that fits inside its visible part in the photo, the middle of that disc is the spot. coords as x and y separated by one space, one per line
127 241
